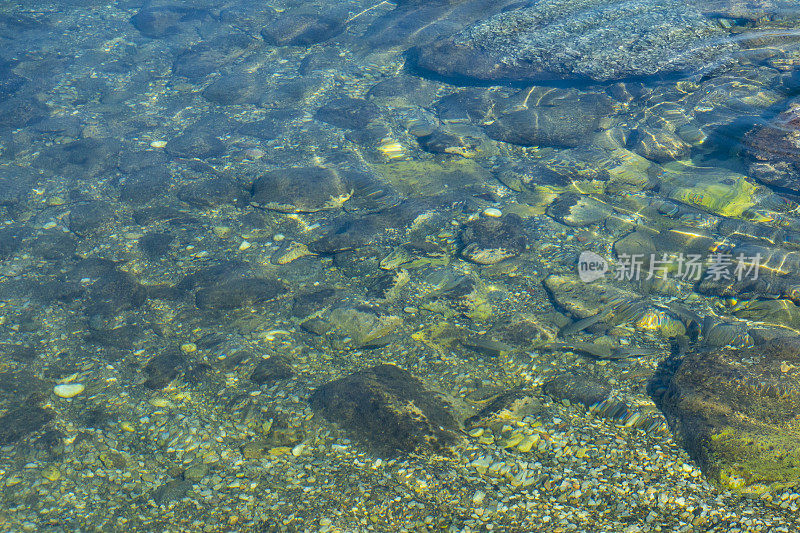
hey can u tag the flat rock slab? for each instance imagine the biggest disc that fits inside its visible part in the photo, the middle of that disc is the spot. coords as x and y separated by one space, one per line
388 408
582 39
737 413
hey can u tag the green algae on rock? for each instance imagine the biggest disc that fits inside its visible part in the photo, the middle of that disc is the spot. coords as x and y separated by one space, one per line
736 412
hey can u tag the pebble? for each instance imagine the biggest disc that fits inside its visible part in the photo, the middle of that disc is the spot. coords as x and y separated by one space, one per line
51 473
491 212
158 144
188 347
68 390
222 231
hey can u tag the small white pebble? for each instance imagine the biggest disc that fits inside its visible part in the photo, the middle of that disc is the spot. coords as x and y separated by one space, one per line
244 246
158 144
492 212
254 153
68 390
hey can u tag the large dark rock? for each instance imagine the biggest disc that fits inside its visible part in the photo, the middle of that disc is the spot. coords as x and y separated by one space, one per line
301 190
235 88
161 21
422 21
774 149
578 388
301 29
490 240
21 421
209 56
197 144
91 217
214 191
145 184
163 368
83 158
236 293
108 290
760 13
389 408
352 113
581 39
273 123
11 238
155 245
562 119
737 412
21 111
272 369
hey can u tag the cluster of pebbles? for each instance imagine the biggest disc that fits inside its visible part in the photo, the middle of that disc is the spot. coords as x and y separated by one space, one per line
300 267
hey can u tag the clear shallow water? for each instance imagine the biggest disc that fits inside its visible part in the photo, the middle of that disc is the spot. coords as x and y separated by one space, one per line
458 266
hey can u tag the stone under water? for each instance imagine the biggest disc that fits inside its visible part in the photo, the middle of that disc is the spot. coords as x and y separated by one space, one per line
389 408
737 412
598 40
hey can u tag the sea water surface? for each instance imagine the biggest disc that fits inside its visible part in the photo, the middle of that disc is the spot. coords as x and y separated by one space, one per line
422 265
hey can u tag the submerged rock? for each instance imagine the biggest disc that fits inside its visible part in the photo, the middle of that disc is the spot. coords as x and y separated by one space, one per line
197 144
389 408
21 421
301 190
208 56
490 240
368 327
583 39
234 88
351 113
578 388
163 368
301 29
562 119
161 21
214 191
272 369
660 145
737 412
759 12
579 210
774 149
237 293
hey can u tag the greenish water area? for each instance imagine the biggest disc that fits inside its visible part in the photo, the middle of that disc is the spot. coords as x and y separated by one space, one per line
420 265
